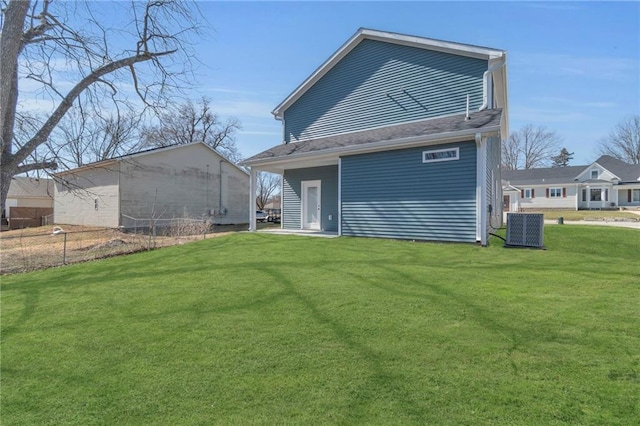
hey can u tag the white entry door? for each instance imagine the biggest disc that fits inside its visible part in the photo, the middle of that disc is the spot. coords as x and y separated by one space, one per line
311 204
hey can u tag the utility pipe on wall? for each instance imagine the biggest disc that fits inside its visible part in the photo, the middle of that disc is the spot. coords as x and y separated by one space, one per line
486 77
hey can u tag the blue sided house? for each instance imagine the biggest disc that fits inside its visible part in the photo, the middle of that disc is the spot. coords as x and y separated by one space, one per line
394 136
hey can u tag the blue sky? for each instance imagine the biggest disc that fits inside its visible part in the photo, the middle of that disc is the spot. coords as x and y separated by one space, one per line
573 66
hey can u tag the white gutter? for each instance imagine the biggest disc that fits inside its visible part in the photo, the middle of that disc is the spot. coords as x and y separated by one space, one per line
486 77
377 146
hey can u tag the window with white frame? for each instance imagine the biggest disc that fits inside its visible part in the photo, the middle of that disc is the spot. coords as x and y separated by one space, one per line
435 155
594 174
636 195
555 192
528 193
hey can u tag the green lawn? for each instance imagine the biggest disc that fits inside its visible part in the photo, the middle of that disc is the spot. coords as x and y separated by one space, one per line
269 329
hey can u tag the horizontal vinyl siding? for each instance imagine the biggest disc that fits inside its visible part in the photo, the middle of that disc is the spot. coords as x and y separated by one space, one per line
393 194
292 196
379 84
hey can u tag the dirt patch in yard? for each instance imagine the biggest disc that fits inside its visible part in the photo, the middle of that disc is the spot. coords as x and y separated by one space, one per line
46 246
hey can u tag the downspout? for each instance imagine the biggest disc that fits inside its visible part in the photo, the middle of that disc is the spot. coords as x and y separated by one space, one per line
487 81
281 119
252 199
481 190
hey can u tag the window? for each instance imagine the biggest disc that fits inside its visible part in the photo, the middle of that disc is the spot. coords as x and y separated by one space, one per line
636 195
596 194
528 193
555 192
594 174
436 155
584 195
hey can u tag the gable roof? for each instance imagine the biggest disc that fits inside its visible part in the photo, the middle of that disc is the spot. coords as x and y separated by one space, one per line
625 171
552 175
389 37
387 137
544 175
112 160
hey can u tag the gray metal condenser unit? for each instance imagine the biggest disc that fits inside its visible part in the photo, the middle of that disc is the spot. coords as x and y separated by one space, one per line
525 230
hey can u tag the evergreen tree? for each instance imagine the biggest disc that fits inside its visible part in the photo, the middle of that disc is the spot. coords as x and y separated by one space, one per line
562 159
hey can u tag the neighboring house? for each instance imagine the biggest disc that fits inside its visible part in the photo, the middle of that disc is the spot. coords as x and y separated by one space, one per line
377 141
180 181
28 200
605 183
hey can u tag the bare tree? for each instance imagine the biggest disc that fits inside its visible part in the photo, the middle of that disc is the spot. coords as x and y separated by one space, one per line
623 142
189 122
81 139
530 147
266 185
78 64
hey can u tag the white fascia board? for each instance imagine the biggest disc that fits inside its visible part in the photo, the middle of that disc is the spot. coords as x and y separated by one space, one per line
607 170
433 44
387 145
587 171
99 164
502 96
363 33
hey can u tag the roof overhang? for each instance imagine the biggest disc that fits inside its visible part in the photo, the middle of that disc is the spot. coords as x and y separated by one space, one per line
331 156
105 163
388 37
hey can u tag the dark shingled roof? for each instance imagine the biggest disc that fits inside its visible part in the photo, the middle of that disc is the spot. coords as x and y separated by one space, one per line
625 171
542 175
433 126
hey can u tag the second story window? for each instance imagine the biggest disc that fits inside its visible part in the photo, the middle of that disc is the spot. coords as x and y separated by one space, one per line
594 174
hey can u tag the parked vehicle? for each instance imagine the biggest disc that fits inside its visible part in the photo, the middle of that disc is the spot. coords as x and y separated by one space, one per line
261 216
273 215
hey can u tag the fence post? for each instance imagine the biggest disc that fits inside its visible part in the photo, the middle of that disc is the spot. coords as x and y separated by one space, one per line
64 250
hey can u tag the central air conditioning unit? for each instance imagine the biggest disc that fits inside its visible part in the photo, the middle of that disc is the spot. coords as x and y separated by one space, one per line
525 230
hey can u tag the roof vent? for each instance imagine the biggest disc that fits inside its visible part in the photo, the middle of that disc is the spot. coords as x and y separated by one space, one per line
525 230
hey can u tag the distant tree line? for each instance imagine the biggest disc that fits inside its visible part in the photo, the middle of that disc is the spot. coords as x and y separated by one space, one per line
536 146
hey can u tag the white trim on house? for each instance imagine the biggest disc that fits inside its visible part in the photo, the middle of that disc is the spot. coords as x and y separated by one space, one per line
252 198
481 189
330 156
305 206
339 196
436 157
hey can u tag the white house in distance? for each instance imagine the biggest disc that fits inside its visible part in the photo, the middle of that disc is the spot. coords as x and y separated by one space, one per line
27 191
179 181
607 183
28 200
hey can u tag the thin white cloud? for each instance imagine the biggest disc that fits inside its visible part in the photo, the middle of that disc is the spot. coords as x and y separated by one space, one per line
574 103
603 68
546 115
260 133
242 108
553 6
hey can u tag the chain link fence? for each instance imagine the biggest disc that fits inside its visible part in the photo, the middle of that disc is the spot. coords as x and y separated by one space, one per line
42 247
